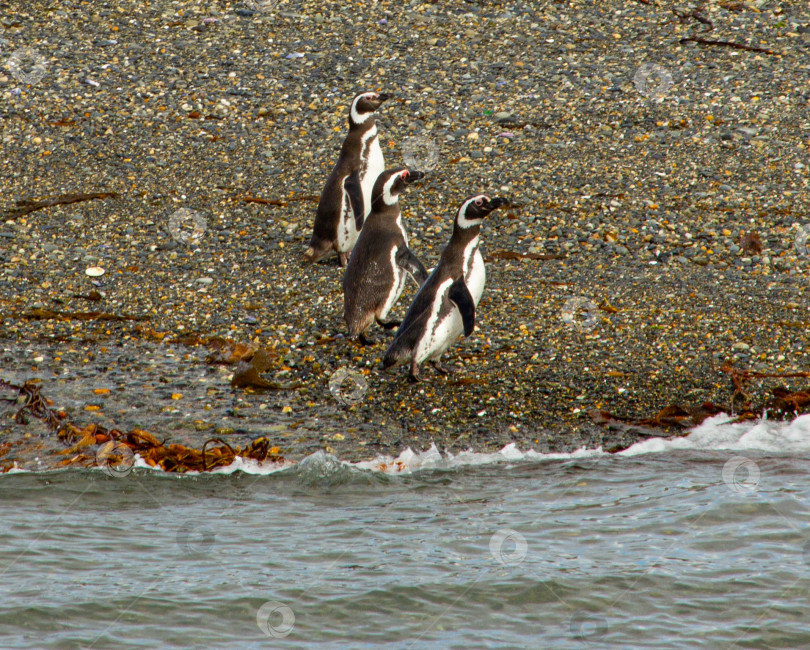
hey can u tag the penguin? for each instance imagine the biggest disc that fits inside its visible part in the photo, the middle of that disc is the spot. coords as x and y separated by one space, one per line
381 260
346 198
445 305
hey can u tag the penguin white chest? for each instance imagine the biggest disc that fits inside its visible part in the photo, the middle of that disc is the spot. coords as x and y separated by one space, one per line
475 273
371 166
347 228
402 229
440 332
397 284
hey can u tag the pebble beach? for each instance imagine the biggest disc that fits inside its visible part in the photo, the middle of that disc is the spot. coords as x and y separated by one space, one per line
655 154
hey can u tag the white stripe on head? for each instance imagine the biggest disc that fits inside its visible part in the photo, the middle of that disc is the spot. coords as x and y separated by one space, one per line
388 198
463 222
360 118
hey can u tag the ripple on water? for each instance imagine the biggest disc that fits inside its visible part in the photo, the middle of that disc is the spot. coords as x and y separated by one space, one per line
610 552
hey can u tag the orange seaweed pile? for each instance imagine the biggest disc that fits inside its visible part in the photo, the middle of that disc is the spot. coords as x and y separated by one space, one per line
170 458
95 444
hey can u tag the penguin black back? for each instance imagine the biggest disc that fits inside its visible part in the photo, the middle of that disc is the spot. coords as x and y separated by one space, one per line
446 303
375 274
343 205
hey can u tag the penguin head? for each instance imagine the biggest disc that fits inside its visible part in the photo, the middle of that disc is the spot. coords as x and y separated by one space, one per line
474 209
391 182
364 104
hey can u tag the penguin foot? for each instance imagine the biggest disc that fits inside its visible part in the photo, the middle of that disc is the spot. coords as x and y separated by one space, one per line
343 258
413 375
311 255
366 340
442 369
315 253
388 325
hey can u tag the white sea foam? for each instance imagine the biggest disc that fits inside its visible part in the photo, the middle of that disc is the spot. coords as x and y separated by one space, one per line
410 461
721 433
718 433
246 465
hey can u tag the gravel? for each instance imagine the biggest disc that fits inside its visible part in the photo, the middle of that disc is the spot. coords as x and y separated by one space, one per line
641 185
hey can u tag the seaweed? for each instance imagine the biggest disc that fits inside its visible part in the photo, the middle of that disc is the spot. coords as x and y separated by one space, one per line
115 448
31 400
51 314
25 206
175 458
676 419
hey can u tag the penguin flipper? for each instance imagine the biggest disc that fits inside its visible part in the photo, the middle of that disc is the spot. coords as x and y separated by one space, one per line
413 326
409 263
460 296
355 192
406 339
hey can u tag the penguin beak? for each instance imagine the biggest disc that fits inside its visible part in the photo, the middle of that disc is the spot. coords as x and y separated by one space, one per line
496 203
413 176
382 97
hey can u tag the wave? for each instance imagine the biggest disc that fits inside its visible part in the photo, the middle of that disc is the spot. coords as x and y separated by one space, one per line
718 433
722 433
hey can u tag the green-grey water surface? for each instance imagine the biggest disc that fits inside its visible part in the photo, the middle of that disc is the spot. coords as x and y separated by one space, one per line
654 551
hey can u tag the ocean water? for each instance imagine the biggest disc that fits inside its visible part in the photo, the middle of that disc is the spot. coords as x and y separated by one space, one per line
700 542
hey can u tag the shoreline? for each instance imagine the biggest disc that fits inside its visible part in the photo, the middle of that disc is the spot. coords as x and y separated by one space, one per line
676 220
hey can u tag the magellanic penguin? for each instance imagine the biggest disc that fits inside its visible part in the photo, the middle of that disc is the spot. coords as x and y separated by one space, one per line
346 199
381 260
445 305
